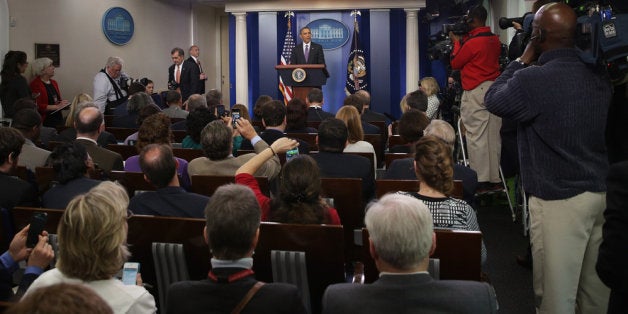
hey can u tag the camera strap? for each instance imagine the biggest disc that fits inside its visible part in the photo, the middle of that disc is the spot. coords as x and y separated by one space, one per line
483 34
116 88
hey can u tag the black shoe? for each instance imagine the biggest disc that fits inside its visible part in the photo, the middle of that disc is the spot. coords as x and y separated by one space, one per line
524 261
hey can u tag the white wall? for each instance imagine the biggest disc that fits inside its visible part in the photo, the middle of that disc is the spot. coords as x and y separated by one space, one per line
76 26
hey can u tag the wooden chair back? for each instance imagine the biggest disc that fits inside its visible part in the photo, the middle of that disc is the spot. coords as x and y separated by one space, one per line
459 252
376 141
187 153
121 133
395 140
125 151
132 181
383 186
22 217
207 185
313 124
323 246
390 157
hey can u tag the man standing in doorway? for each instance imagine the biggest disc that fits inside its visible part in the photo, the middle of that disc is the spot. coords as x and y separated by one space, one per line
477 58
194 59
182 76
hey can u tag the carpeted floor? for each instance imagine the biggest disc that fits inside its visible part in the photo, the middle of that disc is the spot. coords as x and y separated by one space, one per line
504 239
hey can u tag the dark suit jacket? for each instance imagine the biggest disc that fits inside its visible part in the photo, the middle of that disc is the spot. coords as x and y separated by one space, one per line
69 135
169 201
317 56
339 165
314 114
60 195
200 85
613 256
16 192
128 120
370 115
270 136
369 128
189 78
207 296
104 158
403 169
416 293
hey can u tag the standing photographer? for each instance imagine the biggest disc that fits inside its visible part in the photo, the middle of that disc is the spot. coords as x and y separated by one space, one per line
477 57
110 86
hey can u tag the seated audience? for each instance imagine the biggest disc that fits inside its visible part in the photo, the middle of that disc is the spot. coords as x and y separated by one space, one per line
433 167
411 126
314 101
403 169
217 141
232 230
71 164
357 101
89 123
401 239
350 116
38 259
160 169
194 102
296 117
213 98
237 138
298 199
367 113
196 121
15 191
28 122
274 122
429 86
62 298
144 113
134 88
133 106
417 100
92 235
332 140
156 130
150 90
257 107
69 133
174 102
46 134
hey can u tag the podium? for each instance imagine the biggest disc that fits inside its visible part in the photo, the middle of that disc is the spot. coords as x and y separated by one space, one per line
315 76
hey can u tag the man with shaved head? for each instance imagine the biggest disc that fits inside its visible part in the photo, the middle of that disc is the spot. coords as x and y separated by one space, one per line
561 105
89 123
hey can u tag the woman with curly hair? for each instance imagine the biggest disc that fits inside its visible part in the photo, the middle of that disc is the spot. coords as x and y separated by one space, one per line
92 237
298 199
196 122
433 166
156 130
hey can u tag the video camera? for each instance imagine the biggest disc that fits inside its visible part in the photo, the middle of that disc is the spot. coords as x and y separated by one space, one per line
460 27
505 22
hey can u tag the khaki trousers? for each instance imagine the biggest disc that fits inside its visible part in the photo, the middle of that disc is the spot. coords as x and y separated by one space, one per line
484 143
565 236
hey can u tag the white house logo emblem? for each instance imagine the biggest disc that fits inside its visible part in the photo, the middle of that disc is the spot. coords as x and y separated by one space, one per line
118 26
330 34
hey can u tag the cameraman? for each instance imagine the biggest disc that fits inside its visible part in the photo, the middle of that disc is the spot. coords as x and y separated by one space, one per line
476 55
110 86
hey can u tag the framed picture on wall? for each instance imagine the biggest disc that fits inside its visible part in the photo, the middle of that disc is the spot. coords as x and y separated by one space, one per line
48 51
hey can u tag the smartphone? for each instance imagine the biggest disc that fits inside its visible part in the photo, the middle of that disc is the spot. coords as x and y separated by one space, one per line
235 115
38 221
220 110
129 273
292 154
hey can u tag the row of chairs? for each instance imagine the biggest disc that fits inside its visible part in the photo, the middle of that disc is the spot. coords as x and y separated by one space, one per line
322 249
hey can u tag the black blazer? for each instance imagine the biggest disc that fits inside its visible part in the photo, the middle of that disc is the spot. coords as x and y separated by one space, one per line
60 195
189 78
207 296
169 201
16 192
340 165
613 256
317 56
415 293
314 114
200 86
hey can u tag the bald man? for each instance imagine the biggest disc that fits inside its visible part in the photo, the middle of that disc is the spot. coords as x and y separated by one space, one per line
89 123
561 105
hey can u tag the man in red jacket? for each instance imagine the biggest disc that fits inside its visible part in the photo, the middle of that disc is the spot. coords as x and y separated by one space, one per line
476 55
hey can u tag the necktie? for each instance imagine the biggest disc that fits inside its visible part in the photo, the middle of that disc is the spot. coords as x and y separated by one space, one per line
178 74
307 52
199 66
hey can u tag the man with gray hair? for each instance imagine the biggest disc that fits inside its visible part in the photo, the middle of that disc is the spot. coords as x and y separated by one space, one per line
195 101
401 239
109 85
231 231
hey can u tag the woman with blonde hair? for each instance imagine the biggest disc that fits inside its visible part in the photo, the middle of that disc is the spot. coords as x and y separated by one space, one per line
92 249
429 86
81 98
350 116
49 101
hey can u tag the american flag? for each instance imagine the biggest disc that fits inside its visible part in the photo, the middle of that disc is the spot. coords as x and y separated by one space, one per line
288 45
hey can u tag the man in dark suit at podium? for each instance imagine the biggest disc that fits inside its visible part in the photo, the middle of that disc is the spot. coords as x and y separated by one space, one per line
307 52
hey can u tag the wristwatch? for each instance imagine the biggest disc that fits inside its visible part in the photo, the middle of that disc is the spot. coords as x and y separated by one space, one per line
518 60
